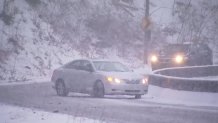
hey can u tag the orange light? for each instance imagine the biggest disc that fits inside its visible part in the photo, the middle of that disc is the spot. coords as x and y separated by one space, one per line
110 79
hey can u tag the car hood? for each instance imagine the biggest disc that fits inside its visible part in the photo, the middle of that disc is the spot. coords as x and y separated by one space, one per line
122 75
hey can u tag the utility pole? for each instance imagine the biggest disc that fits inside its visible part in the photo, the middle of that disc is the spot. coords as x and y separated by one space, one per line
147 32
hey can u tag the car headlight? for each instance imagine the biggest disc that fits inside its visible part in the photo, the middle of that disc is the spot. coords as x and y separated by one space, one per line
154 58
145 81
179 59
116 80
113 80
110 79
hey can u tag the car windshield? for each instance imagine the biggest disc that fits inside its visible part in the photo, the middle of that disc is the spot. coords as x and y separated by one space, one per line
169 49
110 66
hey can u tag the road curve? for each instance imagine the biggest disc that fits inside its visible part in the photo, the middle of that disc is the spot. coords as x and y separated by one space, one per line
112 109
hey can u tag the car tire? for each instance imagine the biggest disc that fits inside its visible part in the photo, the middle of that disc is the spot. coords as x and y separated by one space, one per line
98 90
138 96
61 89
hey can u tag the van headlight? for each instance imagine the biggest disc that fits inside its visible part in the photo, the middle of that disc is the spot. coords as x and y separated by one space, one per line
145 81
179 59
154 58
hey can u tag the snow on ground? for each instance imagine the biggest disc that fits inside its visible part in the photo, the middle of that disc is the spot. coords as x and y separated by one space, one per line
31 81
170 96
13 114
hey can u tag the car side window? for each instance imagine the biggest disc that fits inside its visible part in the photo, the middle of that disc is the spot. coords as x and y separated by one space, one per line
85 65
73 65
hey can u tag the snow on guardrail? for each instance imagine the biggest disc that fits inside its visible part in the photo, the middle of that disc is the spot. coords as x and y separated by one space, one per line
185 85
186 78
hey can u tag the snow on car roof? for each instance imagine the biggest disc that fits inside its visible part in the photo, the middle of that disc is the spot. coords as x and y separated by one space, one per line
104 60
94 59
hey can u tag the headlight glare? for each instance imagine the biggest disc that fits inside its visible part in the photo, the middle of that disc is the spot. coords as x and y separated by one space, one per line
110 79
179 59
116 80
154 58
113 80
145 81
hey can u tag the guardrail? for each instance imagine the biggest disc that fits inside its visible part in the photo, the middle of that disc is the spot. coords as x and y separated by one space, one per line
186 78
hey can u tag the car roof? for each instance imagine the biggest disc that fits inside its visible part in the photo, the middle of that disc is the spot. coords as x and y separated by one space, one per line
103 60
178 45
96 60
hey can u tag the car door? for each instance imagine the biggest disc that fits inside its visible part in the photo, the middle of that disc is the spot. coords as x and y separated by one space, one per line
71 75
87 77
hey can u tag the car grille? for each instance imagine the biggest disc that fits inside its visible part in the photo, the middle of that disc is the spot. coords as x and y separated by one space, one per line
165 60
132 81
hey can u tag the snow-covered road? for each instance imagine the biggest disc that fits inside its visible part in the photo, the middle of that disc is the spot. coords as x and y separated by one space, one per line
111 109
15 114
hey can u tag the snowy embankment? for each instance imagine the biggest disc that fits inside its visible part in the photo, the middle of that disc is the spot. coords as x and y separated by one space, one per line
13 114
31 46
170 96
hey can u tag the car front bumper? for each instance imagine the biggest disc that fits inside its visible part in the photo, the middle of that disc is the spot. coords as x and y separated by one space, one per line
126 89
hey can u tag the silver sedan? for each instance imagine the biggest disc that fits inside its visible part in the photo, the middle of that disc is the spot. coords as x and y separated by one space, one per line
98 78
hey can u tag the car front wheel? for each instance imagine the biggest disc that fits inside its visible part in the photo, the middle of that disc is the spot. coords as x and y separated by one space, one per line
98 90
61 89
